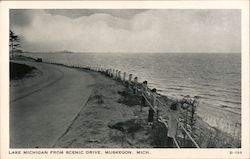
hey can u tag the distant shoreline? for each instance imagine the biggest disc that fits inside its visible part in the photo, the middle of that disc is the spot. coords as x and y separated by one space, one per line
72 52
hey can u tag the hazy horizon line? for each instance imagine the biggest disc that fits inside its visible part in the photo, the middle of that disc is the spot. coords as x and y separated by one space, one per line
70 52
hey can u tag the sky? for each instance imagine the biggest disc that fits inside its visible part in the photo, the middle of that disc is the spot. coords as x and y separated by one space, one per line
128 30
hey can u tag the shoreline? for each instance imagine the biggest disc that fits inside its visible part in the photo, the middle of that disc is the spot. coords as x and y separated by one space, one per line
100 76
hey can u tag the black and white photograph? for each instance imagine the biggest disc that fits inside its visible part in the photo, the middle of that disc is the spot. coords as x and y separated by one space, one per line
118 79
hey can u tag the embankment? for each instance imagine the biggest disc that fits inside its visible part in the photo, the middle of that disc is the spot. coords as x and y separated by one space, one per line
19 71
108 120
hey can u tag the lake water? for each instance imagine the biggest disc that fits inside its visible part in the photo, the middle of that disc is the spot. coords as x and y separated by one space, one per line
216 78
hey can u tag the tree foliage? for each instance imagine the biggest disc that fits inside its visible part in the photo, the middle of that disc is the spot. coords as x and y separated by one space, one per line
14 43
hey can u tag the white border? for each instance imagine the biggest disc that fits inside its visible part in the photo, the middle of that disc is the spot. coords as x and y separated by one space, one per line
154 153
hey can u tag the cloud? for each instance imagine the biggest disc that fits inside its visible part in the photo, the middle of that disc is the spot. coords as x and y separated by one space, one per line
20 17
76 13
129 30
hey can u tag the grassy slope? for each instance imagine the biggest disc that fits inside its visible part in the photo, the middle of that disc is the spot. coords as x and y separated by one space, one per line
19 71
108 120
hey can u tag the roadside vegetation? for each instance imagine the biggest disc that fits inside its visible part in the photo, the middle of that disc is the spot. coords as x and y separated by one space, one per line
19 71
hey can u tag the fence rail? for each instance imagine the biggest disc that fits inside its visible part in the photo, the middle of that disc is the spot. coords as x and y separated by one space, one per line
136 86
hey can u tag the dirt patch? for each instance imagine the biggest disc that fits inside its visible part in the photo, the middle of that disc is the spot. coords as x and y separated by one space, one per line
132 133
98 98
130 126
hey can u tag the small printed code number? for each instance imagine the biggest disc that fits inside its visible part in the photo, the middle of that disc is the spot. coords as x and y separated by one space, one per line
235 152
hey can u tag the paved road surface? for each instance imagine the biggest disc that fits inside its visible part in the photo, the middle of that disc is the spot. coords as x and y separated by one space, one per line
43 107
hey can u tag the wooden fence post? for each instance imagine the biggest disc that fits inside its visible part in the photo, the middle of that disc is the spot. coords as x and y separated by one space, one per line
110 73
113 72
124 77
107 71
119 75
154 102
143 93
116 74
129 80
185 126
135 85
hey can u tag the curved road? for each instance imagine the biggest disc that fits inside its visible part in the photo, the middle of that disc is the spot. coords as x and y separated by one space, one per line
43 107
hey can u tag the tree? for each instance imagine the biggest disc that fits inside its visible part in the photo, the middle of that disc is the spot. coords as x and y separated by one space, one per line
14 44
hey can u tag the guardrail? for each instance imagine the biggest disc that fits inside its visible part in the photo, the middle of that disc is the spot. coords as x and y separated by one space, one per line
161 119
157 105
137 88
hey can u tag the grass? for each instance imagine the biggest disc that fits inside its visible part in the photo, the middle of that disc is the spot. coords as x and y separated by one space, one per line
159 136
128 98
158 133
98 98
19 71
211 137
